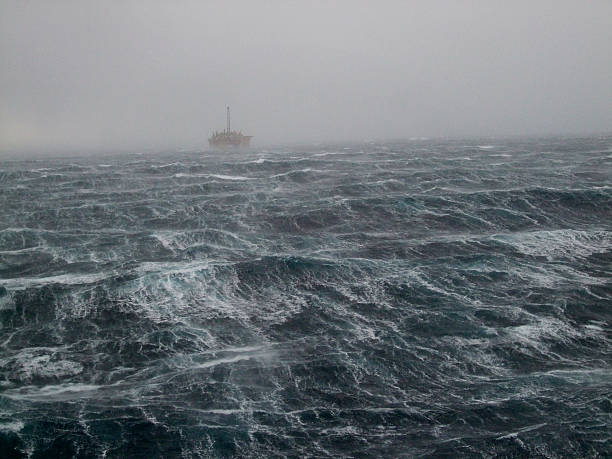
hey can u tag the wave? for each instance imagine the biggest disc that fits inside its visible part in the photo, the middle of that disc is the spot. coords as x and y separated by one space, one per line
384 299
558 244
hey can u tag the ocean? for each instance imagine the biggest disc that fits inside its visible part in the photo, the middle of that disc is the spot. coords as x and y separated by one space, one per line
425 298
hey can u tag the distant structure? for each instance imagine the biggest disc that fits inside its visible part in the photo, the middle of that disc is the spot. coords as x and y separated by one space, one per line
229 138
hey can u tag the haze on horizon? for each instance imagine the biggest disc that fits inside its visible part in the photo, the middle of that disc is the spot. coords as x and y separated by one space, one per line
93 76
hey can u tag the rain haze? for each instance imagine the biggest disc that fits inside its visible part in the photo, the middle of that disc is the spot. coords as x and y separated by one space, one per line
136 74
411 258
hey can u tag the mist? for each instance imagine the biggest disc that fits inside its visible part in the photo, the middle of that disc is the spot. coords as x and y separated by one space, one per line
97 76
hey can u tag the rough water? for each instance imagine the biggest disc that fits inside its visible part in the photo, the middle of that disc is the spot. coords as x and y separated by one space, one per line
426 298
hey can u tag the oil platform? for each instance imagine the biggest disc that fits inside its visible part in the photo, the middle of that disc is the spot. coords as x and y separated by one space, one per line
229 138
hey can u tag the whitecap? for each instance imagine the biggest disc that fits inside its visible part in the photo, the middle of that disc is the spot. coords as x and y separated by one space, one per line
235 358
229 177
217 176
560 243
12 426
28 365
66 391
308 169
180 175
524 429
21 283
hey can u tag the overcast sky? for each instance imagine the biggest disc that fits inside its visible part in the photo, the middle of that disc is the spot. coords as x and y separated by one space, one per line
121 75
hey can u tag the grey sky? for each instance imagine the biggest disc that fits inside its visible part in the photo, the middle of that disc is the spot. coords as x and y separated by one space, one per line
122 75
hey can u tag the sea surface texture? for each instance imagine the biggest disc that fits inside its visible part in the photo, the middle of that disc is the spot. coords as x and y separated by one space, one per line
424 298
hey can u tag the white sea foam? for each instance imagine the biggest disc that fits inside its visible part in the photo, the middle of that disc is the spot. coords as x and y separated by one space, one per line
182 175
237 349
21 283
6 303
229 177
295 171
583 376
541 332
524 429
560 243
217 176
43 366
53 392
22 251
217 238
235 358
13 426
163 166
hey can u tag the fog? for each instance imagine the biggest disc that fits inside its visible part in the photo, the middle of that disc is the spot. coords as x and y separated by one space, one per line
125 75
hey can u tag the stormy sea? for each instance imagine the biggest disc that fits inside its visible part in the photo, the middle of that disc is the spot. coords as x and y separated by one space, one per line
425 298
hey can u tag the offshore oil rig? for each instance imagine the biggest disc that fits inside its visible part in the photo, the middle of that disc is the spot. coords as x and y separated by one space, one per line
229 138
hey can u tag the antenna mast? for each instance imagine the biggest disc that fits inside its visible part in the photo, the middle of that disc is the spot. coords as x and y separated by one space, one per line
228 120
